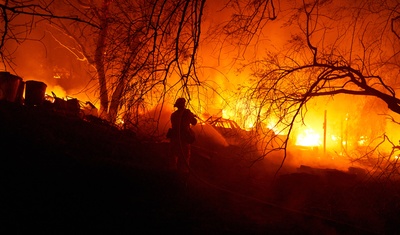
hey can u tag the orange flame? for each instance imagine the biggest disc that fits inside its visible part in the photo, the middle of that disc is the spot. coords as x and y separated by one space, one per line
308 138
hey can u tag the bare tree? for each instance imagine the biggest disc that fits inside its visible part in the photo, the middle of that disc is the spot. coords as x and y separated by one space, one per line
136 49
334 49
18 21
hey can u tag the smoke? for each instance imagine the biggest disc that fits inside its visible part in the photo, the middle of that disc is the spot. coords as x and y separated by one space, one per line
157 121
208 136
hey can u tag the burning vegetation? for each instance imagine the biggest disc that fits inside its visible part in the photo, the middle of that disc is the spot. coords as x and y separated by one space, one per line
300 95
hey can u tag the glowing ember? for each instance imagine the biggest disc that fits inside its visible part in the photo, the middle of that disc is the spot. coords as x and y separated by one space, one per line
308 138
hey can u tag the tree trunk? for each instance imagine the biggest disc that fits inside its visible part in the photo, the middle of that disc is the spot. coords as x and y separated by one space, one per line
116 100
99 60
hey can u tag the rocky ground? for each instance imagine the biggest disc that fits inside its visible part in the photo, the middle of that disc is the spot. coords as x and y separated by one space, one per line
66 175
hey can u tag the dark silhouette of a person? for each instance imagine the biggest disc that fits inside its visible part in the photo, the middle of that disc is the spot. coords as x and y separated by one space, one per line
182 136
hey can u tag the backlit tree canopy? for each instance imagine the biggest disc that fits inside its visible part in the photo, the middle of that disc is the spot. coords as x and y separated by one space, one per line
145 51
136 48
351 48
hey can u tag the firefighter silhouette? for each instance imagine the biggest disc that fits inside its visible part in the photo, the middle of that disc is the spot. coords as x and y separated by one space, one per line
181 135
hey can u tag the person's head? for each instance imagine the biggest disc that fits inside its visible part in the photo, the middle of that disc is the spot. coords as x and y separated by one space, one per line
180 103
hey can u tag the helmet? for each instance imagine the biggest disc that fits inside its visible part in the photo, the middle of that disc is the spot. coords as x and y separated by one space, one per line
180 102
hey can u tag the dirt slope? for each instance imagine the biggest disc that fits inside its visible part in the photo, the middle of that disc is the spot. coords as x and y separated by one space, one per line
64 175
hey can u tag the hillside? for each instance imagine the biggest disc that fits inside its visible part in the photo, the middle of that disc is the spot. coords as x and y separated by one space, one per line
64 175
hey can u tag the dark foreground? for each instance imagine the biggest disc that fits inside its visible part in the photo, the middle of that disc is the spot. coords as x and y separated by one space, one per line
63 175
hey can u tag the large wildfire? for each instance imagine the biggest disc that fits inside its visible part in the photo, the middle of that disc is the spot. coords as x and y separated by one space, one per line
325 137
331 127
293 129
